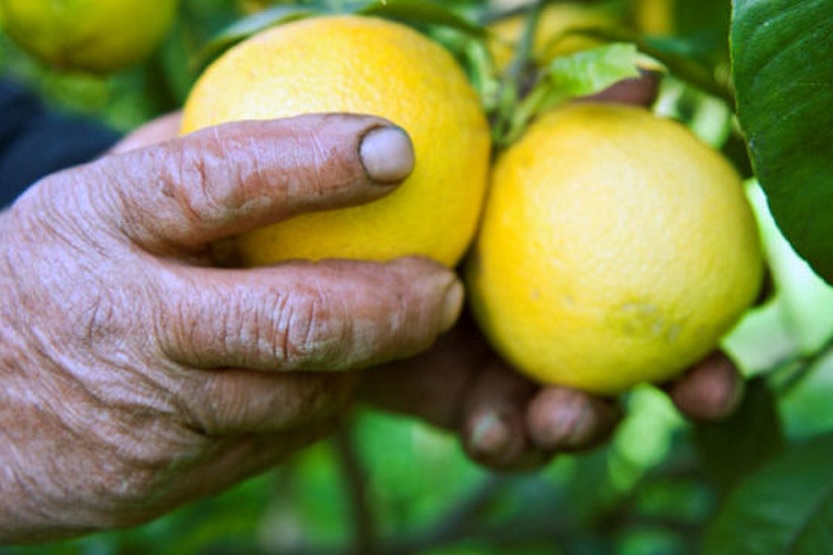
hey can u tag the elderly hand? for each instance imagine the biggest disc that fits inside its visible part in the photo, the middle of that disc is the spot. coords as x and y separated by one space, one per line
134 374
506 421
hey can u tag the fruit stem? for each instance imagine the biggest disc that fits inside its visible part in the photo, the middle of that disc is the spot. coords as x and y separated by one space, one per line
355 478
483 74
512 79
787 375
525 110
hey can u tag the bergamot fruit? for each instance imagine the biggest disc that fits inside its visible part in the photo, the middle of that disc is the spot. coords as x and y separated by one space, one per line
371 66
615 249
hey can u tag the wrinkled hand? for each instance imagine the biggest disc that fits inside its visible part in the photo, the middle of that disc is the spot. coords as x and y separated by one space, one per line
134 374
508 422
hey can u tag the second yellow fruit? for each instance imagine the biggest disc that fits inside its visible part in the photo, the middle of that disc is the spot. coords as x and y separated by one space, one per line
370 66
615 249
550 38
88 35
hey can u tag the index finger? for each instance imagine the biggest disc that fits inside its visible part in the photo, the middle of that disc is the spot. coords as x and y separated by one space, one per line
191 191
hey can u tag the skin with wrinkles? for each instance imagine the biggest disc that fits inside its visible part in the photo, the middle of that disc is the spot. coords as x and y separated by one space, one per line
129 381
135 375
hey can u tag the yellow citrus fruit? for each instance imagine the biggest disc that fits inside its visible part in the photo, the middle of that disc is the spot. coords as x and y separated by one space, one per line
654 17
362 65
88 35
549 40
615 249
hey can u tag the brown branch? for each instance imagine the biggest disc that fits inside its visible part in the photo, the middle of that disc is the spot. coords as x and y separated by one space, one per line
365 540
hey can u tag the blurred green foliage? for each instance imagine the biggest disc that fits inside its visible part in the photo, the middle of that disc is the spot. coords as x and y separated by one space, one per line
389 485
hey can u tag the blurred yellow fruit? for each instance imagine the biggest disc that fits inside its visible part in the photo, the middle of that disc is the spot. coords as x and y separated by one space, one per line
363 65
615 249
549 39
88 35
654 17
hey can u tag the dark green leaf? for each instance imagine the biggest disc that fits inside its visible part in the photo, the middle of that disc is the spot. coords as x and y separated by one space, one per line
785 507
422 12
737 153
248 26
731 449
704 26
783 73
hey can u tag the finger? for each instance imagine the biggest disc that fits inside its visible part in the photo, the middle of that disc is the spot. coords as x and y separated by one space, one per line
159 130
431 385
565 419
711 390
493 427
330 315
237 402
459 386
224 180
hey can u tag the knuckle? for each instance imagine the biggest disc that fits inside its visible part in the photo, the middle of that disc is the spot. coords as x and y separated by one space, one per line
202 197
267 328
199 183
310 327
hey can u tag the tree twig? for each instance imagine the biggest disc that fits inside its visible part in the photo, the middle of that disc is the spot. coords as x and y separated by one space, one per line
788 374
365 539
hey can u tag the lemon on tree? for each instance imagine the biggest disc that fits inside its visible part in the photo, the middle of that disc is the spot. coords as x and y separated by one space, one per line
88 35
550 38
615 249
361 65
654 17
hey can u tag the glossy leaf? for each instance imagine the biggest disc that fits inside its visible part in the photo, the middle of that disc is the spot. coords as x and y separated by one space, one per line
783 73
670 52
785 507
593 70
244 28
422 12
578 74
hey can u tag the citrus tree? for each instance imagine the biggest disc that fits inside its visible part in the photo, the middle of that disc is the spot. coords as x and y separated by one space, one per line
752 80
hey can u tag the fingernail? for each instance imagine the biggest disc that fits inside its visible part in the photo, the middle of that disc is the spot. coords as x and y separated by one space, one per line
565 419
453 305
490 435
387 154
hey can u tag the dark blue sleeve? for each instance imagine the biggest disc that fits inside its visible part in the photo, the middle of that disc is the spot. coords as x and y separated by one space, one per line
35 142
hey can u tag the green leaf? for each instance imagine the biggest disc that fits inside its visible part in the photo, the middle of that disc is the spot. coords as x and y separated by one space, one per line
783 73
578 74
672 52
785 507
593 70
422 12
731 449
244 28
704 27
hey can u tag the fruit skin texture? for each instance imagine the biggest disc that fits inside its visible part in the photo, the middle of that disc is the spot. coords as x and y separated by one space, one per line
361 65
615 249
88 35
